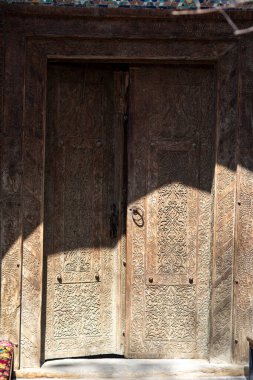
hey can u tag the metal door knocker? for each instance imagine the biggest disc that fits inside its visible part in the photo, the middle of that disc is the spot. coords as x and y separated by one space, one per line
138 216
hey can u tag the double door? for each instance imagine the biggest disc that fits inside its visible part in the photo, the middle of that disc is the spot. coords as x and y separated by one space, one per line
128 210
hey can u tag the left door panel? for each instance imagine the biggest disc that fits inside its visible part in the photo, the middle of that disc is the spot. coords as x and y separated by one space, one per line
83 182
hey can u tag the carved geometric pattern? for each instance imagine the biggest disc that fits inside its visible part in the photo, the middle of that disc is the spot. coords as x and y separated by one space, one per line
33 173
77 261
82 259
77 310
243 288
172 213
224 224
176 322
32 231
171 253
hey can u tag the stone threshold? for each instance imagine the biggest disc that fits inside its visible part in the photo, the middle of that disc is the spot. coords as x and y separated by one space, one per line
105 368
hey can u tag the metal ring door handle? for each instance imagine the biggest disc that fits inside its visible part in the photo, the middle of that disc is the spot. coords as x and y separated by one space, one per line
138 216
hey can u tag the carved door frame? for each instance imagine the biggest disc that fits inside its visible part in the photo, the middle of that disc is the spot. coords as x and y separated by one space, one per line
35 51
39 51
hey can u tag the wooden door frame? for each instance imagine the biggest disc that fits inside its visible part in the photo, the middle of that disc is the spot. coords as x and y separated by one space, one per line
35 37
38 52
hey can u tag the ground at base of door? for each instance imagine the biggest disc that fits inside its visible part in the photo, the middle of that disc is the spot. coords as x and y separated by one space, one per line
144 369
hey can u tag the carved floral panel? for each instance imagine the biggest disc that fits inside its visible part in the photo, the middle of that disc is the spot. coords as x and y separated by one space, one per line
169 254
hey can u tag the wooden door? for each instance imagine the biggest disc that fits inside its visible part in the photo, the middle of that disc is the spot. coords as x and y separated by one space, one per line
82 223
169 218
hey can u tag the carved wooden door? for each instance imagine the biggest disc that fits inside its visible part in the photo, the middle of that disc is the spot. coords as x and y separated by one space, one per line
169 218
83 182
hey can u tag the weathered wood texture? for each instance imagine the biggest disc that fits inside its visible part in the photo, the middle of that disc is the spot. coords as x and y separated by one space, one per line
130 36
120 22
38 49
11 192
83 195
33 160
171 172
224 223
243 280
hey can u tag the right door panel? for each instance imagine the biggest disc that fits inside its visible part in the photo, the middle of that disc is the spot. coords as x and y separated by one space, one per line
171 165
